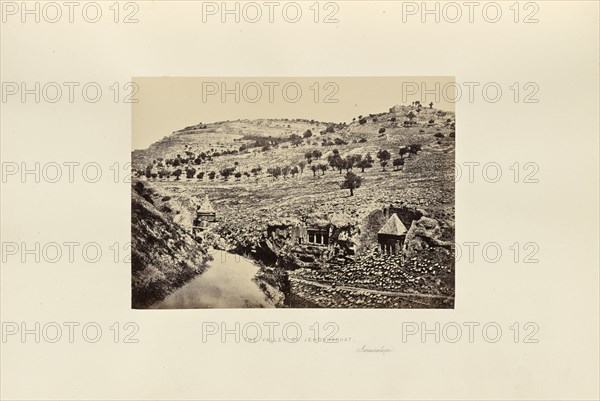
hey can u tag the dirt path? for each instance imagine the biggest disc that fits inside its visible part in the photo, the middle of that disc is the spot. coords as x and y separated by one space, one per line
368 291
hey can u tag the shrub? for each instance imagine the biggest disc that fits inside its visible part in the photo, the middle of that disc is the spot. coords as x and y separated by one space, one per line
275 172
295 139
226 172
177 173
190 173
351 182
367 162
414 148
139 187
398 162
335 161
383 156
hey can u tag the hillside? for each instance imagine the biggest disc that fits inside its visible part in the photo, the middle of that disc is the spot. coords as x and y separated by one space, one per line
163 255
259 208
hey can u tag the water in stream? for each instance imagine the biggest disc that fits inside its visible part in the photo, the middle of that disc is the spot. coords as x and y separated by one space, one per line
226 283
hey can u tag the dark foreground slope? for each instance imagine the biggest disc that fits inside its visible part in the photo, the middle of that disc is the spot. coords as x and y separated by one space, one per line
163 255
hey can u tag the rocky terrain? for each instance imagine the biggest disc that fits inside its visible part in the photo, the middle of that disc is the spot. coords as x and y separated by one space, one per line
260 210
163 255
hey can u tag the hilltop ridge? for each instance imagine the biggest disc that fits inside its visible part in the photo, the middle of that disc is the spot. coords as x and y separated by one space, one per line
267 178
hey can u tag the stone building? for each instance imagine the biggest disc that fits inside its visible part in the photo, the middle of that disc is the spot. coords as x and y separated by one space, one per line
205 214
318 235
300 233
391 236
206 211
406 214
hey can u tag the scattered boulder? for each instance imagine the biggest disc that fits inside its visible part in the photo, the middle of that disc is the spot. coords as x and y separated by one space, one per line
423 233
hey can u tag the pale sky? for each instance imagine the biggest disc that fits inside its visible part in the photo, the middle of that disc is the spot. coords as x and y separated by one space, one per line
167 104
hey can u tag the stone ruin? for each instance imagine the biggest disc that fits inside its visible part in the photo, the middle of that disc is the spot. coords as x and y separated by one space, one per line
423 231
406 214
205 215
305 242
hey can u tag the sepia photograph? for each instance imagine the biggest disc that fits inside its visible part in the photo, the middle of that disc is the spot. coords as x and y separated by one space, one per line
299 200
296 212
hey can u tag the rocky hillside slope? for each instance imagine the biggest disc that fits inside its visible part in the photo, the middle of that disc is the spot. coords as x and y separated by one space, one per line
163 255
258 210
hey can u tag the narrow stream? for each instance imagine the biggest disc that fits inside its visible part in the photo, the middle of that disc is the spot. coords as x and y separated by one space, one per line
226 283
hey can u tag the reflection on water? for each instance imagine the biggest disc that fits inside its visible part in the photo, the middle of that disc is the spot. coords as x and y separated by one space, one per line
227 283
